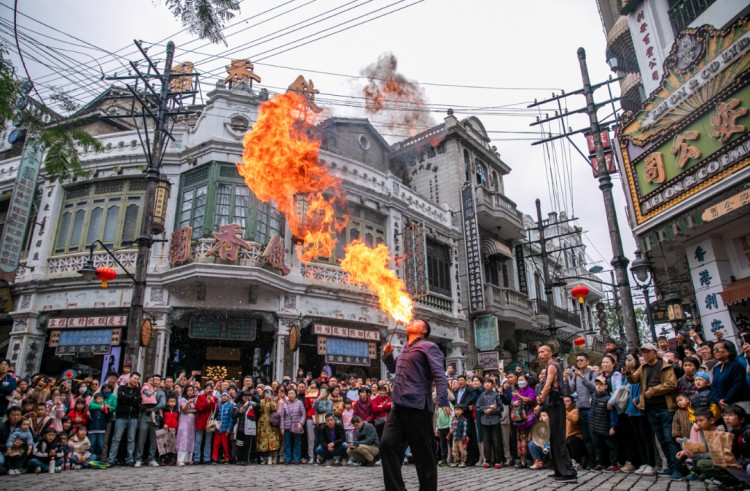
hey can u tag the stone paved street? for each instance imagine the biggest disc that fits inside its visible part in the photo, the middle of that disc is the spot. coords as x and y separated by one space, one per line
313 478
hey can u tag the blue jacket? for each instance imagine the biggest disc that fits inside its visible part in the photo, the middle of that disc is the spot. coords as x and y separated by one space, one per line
635 393
7 386
419 366
224 414
98 420
729 384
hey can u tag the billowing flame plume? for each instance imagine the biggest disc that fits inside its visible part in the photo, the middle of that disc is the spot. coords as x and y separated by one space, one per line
399 101
280 163
370 268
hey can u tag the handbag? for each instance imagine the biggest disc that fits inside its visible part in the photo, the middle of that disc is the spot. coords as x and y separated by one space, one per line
275 419
518 413
720 448
621 398
212 425
319 419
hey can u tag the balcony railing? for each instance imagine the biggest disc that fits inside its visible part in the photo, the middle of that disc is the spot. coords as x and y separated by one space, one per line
71 263
497 201
505 298
435 301
542 308
683 12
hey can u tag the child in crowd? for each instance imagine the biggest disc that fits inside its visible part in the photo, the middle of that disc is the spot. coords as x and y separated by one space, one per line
27 407
681 425
47 455
460 433
738 422
148 399
124 379
79 415
62 439
695 449
80 446
67 427
56 409
346 421
602 423
701 398
19 446
686 383
221 435
98 425
443 425
171 415
40 421
539 454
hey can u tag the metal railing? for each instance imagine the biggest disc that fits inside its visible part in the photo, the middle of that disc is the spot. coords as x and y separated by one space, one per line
541 307
683 12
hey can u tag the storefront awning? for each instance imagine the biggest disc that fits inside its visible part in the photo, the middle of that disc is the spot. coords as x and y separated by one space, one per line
493 247
737 292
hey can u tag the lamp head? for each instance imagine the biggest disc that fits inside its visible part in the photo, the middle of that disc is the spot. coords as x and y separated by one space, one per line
640 269
88 271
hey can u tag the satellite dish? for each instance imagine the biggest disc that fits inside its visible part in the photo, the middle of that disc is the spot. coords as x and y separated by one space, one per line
596 269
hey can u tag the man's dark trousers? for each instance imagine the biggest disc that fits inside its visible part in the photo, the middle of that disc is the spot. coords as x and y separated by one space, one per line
412 427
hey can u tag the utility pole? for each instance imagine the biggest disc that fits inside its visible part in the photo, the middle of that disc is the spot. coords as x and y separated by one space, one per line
165 101
545 270
619 261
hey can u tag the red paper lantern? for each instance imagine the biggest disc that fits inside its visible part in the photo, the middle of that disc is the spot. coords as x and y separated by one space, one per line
105 274
579 342
580 292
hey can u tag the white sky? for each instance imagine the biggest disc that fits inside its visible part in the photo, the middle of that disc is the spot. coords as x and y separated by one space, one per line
529 44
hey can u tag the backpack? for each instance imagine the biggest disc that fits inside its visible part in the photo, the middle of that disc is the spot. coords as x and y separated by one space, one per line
621 398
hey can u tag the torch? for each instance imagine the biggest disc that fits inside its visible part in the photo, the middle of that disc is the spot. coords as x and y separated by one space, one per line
390 336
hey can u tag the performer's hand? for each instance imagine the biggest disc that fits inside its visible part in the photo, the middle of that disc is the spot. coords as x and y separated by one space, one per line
446 410
387 349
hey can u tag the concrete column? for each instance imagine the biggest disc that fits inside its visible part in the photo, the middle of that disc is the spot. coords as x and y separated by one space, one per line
26 344
710 273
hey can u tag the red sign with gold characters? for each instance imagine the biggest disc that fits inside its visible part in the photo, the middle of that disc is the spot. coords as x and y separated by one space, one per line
179 246
228 242
692 131
275 253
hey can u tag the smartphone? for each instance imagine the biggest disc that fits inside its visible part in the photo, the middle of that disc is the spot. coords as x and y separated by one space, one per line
309 374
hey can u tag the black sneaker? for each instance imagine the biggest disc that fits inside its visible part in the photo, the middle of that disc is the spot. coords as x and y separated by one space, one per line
573 478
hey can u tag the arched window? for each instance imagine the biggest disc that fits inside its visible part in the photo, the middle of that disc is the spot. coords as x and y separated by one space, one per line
467 165
482 176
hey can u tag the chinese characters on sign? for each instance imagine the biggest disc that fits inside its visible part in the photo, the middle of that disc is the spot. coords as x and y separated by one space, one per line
306 90
730 204
485 332
240 70
415 260
228 242
345 332
725 120
179 246
653 169
181 80
473 253
17 218
643 38
274 254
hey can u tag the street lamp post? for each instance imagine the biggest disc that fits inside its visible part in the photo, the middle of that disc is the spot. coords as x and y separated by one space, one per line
641 271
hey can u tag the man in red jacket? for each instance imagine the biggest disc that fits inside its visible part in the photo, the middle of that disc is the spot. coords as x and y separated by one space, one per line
205 406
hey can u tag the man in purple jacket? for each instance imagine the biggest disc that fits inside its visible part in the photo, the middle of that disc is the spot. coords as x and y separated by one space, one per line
420 365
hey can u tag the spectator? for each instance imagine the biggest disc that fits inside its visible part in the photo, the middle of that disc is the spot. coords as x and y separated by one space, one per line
728 383
98 424
460 435
611 348
701 399
185 441
148 423
706 350
46 452
738 422
18 447
268 435
443 425
80 449
40 421
245 413
658 384
603 420
681 424
332 441
126 417
381 406
582 384
522 416
205 406
686 383
466 396
365 445
640 450
490 406
79 415
573 433
221 435
363 406
293 416
171 421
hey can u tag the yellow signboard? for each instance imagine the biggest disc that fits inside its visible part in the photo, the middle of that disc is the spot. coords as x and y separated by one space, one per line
728 205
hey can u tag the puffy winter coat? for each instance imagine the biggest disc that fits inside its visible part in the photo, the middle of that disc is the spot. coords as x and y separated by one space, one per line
601 418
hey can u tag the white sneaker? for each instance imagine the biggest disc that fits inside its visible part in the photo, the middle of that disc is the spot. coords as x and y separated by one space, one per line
137 464
153 463
639 471
649 471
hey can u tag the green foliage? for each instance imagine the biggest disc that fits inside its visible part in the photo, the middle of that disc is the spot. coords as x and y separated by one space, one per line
62 145
204 17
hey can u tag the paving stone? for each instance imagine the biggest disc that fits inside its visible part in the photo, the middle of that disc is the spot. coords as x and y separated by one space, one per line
319 478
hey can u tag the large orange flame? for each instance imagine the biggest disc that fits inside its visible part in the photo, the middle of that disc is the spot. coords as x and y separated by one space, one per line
370 268
280 163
